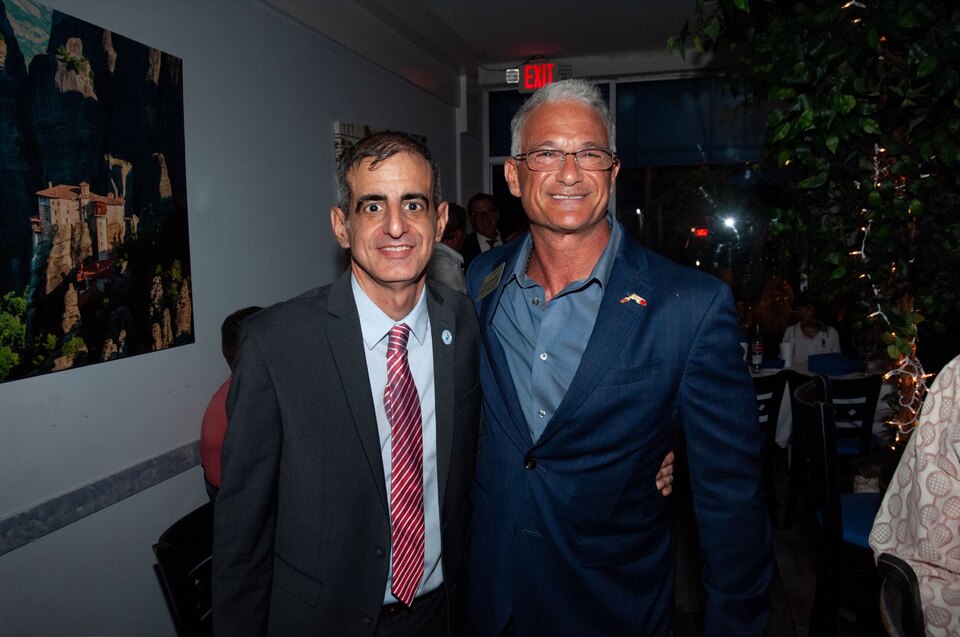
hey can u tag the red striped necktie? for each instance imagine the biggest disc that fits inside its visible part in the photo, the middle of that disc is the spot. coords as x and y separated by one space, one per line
402 405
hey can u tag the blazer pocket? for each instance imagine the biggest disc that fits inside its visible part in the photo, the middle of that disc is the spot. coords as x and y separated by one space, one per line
632 375
296 582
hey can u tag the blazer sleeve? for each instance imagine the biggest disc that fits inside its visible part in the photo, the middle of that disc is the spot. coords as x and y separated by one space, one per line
719 414
245 510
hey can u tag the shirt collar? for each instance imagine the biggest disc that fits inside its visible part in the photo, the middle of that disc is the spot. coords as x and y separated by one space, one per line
375 325
601 270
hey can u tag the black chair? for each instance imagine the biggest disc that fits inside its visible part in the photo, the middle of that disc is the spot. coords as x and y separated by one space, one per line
900 606
854 402
846 572
769 390
184 560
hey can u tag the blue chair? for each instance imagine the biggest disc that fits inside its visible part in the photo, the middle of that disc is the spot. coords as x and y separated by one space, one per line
846 573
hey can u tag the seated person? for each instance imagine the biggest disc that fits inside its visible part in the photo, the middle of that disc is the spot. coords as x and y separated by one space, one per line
917 521
214 424
809 335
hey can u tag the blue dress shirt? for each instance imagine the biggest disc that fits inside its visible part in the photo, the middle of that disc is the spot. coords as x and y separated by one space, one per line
544 342
375 327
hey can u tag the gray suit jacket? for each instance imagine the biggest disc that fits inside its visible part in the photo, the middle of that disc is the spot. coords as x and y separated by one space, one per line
302 527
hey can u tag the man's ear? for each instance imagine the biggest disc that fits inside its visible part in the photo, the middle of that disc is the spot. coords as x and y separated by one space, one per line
442 211
510 174
614 171
338 221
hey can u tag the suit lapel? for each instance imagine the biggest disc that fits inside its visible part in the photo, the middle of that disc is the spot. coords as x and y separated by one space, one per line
486 307
443 322
617 323
342 327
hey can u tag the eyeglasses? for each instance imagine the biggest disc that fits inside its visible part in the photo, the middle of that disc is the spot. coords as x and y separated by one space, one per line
546 159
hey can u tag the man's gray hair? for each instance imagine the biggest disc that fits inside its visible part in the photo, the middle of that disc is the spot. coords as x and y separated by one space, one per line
565 90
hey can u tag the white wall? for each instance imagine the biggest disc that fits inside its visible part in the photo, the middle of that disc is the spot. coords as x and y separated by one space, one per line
260 97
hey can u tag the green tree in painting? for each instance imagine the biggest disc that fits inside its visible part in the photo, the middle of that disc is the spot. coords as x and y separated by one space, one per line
12 332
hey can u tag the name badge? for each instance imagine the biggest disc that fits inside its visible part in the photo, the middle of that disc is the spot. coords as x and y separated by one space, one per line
490 282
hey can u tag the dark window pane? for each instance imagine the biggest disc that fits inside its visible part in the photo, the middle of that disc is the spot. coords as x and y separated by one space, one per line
503 106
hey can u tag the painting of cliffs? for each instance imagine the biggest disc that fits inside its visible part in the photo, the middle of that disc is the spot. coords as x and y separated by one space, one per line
94 249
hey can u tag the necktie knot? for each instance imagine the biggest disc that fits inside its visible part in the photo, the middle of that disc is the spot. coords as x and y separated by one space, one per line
399 334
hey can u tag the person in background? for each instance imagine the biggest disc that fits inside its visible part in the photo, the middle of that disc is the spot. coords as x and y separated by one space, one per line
354 418
917 520
485 218
596 354
809 335
446 264
214 424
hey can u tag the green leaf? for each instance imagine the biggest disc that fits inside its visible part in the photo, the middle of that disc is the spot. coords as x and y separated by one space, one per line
927 67
783 157
874 199
814 181
845 103
781 133
947 82
743 5
783 93
839 272
869 125
916 207
805 121
908 21
832 142
873 40
712 27
893 352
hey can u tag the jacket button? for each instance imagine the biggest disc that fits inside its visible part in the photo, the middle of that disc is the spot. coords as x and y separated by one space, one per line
380 552
366 621
530 463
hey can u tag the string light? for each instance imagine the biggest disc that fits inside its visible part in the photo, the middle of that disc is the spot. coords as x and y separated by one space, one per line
908 373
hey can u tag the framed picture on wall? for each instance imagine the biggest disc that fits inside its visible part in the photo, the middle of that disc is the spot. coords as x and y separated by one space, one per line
94 245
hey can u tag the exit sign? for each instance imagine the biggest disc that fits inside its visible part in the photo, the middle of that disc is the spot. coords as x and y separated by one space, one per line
536 75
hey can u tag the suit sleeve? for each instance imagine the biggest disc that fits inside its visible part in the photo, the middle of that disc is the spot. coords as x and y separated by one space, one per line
245 510
719 415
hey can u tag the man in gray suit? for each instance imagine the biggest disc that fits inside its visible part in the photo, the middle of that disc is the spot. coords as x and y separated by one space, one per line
314 531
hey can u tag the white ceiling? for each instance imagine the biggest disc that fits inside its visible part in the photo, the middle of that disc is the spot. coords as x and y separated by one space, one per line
433 42
502 31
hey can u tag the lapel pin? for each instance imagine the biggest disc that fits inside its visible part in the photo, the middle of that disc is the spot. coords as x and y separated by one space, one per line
639 300
446 337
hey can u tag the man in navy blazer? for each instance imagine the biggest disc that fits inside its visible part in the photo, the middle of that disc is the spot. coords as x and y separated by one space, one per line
595 354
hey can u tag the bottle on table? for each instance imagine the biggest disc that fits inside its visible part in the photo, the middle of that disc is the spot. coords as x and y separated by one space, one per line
756 348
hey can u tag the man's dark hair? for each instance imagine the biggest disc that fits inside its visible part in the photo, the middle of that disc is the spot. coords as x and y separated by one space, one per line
380 147
480 196
456 220
230 332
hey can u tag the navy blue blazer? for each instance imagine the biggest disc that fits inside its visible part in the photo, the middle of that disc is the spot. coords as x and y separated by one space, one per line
569 534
